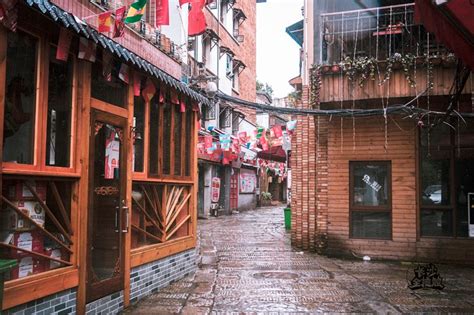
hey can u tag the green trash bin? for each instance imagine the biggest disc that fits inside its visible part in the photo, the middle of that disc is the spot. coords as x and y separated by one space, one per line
287 218
5 266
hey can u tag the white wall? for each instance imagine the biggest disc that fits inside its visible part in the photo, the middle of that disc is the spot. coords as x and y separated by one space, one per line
263 120
178 29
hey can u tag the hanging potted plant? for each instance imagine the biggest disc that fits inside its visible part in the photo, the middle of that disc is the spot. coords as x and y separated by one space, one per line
335 68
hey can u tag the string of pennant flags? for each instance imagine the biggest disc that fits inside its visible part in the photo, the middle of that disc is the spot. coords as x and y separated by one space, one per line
227 148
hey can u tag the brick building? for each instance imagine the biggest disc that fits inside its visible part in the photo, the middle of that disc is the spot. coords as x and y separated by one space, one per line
225 55
394 186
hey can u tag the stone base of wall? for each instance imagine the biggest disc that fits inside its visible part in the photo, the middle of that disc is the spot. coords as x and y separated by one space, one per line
60 303
149 278
144 280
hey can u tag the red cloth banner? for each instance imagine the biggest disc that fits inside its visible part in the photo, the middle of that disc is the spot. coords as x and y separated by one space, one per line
123 73
136 83
162 13
105 22
64 43
119 25
87 49
207 142
277 131
174 97
182 105
149 90
162 94
196 18
107 64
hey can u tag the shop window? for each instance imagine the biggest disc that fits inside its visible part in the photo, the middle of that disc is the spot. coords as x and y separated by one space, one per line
370 200
177 141
188 146
446 179
167 116
154 136
106 84
161 213
58 138
20 100
138 133
36 225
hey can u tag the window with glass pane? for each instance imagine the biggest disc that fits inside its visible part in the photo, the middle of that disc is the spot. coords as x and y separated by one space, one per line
436 222
167 114
189 144
20 98
371 184
138 134
58 141
370 193
434 188
154 136
178 129
105 84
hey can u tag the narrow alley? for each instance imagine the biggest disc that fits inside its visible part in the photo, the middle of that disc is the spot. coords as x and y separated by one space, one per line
247 265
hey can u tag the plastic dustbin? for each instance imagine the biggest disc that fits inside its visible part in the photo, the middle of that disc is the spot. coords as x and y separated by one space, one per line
5 266
287 218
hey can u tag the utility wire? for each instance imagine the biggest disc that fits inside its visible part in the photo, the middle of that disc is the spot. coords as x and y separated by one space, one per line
406 108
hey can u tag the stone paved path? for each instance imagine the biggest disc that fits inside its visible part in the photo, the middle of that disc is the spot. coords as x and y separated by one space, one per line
249 267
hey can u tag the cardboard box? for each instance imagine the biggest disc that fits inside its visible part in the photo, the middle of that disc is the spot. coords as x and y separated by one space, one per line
27 265
12 221
18 190
32 241
54 253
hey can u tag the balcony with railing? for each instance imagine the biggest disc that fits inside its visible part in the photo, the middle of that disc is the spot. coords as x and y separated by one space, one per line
368 53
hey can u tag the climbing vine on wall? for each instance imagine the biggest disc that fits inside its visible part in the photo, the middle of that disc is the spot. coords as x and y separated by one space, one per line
315 86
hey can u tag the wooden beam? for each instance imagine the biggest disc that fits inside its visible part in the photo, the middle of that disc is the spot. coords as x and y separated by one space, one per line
178 211
156 238
140 207
26 217
62 209
171 210
67 263
152 204
178 226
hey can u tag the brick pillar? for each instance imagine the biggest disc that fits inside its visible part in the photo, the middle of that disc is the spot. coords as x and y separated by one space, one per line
309 180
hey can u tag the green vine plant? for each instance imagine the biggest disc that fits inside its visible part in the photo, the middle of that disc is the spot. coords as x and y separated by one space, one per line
315 85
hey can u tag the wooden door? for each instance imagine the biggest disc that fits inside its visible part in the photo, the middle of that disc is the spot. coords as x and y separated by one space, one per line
234 191
108 213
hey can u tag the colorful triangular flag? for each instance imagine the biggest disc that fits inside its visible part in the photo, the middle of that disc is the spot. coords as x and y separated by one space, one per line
105 22
136 11
119 24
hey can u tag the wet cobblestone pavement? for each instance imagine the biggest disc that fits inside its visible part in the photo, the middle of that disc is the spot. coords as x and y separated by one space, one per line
248 267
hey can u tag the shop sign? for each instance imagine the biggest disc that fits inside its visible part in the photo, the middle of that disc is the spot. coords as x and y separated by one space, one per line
248 182
374 185
470 211
215 189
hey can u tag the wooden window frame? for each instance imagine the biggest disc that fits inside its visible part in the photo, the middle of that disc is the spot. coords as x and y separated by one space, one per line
370 209
160 177
452 206
39 167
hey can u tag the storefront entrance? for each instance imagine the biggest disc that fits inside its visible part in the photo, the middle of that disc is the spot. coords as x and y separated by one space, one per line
108 220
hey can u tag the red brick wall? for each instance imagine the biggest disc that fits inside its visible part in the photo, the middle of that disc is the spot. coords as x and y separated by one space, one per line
130 40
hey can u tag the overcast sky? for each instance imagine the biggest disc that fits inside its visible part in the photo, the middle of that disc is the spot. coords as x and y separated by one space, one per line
277 52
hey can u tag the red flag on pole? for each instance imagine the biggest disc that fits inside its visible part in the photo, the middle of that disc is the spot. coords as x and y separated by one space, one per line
119 24
181 2
162 12
196 19
64 43
136 84
105 22
149 90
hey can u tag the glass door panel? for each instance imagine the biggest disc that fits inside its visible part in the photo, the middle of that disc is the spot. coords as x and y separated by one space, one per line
107 210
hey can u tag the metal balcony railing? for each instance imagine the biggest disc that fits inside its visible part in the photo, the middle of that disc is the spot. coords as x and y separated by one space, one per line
379 33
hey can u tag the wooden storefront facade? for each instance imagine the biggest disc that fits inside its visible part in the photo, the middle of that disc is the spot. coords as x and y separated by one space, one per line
110 181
